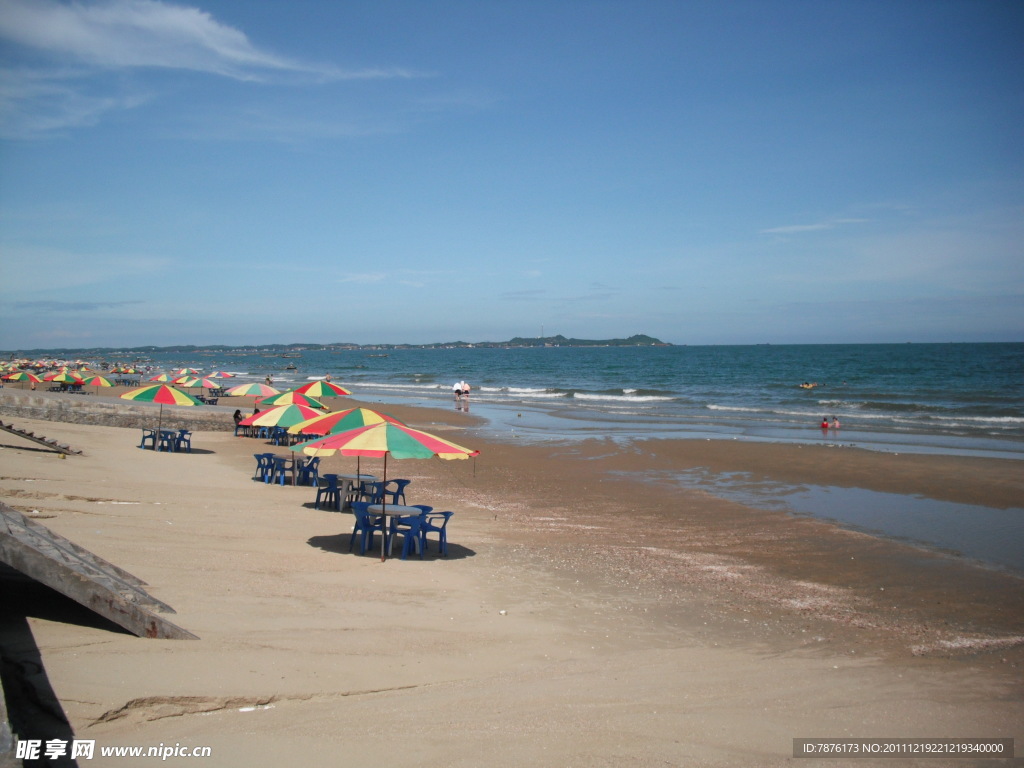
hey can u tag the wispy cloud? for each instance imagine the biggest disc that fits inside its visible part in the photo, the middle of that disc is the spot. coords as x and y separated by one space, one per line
364 277
81 41
71 306
139 33
36 103
25 269
817 227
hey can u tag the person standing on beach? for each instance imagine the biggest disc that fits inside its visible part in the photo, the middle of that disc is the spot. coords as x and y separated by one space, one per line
457 391
465 390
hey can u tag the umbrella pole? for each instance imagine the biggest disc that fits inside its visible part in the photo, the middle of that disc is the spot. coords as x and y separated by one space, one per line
384 509
159 424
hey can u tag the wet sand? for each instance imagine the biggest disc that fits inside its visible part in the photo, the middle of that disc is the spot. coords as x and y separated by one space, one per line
590 612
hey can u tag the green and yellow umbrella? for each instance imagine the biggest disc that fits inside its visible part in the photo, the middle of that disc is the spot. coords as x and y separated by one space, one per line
322 389
162 394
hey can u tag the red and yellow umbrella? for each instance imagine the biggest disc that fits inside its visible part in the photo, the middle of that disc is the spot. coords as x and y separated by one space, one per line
322 389
163 377
162 394
187 372
381 440
292 398
222 375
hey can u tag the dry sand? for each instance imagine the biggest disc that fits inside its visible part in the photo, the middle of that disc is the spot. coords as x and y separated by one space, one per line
582 618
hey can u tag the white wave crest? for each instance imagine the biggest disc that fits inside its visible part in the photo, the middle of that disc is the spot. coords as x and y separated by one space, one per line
624 398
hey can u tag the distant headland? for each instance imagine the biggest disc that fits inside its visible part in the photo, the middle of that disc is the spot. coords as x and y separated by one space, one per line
638 340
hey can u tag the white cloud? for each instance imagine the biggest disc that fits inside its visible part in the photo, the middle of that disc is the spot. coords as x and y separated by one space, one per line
797 228
136 33
364 277
83 40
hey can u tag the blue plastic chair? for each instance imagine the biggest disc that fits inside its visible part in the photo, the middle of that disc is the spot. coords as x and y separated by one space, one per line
148 436
372 492
309 473
264 464
430 525
168 440
327 492
183 441
396 491
365 526
410 526
280 470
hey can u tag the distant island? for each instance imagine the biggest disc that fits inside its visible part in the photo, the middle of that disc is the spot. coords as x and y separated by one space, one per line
638 340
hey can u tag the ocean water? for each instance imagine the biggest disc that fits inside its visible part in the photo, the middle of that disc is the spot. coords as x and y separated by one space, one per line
957 398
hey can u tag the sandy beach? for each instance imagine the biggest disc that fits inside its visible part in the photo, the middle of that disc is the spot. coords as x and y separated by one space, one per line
587 614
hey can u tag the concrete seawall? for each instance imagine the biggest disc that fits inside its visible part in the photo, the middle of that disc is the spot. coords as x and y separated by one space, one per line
110 411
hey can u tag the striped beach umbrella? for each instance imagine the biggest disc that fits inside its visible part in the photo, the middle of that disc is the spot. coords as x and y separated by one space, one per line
279 416
322 389
248 390
341 421
165 378
97 381
194 381
22 376
64 377
222 375
292 397
163 395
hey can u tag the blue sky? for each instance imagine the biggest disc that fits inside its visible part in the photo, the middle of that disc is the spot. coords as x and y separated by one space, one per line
253 171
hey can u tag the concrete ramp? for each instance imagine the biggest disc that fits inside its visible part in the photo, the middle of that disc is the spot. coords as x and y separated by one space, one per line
51 444
101 586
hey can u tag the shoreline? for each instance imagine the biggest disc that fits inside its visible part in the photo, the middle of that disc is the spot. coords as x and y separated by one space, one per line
592 565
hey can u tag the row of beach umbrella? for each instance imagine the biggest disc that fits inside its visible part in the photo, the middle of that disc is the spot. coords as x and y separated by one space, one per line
353 432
